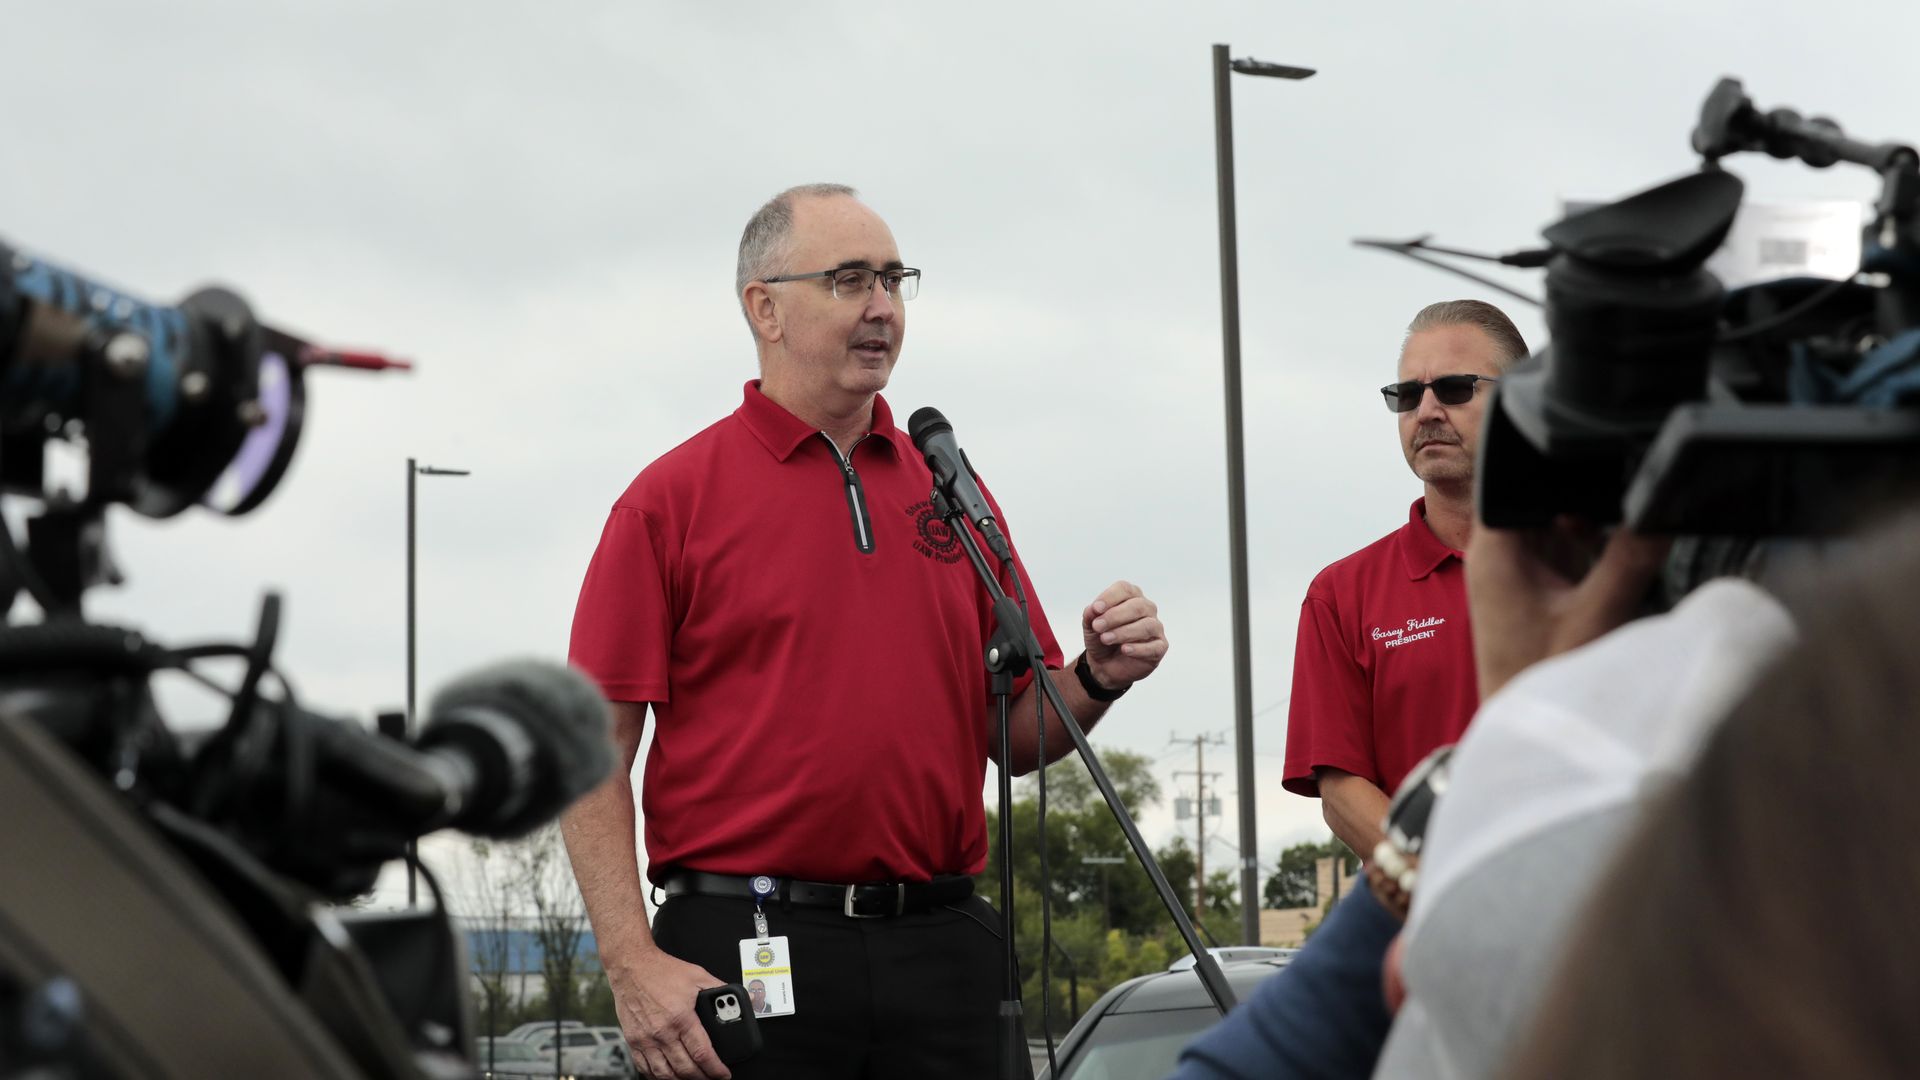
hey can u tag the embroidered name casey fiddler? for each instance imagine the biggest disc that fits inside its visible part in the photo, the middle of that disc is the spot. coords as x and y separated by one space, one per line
1415 630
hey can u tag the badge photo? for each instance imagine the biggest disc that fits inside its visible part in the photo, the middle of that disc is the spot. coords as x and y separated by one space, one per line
766 970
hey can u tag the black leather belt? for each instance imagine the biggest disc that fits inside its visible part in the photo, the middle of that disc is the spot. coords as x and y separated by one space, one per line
869 901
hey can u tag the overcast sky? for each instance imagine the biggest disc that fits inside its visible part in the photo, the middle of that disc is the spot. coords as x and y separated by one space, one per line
539 204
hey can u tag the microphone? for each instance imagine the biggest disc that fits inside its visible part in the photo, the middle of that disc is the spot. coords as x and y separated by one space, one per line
514 744
503 751
953 476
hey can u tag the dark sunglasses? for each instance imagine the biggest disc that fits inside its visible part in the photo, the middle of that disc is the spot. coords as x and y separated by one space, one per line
1447 390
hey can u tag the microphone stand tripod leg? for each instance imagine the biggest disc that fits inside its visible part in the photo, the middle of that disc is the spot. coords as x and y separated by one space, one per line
1007 614
1014 1061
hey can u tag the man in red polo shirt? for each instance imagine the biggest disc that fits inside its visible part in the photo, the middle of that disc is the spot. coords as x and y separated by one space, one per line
1382 675
1383 670
810 637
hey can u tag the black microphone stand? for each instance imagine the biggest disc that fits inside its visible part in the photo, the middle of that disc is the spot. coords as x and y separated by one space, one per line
1014 648
1004 663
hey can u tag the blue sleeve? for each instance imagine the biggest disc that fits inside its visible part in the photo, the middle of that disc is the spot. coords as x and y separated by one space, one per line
1324 1016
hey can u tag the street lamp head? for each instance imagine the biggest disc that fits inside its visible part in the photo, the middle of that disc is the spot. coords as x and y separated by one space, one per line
1250 66
428 470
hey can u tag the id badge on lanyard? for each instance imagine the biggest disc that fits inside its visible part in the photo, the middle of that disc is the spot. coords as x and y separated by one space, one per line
766 963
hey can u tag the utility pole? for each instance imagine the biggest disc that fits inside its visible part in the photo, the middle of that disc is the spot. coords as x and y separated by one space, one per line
1201 808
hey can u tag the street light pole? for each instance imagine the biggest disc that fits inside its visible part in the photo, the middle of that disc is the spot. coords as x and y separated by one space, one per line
414 469
1223 66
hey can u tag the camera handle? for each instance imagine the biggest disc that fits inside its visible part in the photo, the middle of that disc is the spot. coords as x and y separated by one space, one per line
1730 123
65 554
66 550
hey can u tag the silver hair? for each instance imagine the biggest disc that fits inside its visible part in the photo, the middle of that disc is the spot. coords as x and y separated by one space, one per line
768 239
1480 315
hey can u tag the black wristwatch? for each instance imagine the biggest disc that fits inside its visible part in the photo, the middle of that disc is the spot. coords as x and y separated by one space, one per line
1094 689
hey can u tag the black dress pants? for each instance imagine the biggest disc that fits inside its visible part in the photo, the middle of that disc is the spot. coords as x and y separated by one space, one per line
899 998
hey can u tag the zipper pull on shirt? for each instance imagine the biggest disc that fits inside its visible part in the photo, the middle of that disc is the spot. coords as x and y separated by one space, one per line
856 495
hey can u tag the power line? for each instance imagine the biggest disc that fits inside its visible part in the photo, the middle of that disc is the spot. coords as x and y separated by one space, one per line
1216 838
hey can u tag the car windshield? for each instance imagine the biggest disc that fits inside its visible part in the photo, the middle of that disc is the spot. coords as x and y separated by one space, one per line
507 1050
1137 1046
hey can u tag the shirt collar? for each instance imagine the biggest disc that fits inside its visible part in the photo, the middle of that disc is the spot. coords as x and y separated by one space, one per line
781 432
1420 550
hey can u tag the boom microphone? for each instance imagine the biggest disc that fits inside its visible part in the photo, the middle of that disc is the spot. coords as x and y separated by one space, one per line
324 801
519 740
933 436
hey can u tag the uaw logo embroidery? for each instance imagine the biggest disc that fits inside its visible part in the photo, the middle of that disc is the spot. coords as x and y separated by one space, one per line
1415 630
933 537
763 956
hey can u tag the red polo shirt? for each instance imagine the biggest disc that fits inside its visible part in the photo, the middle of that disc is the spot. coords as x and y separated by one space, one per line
1383 671
810 636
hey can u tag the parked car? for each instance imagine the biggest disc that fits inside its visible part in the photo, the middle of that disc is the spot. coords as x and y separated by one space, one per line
1137 1029
509 1057
538 1026
573 1045
1226 954
607 1061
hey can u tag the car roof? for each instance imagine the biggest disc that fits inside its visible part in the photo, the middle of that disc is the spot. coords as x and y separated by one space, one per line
1224 953
542 1025
1182 990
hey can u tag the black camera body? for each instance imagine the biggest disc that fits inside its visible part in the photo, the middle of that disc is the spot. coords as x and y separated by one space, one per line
1669 404
166 910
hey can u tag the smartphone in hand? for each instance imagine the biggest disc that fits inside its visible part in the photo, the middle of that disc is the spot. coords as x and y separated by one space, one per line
728 1018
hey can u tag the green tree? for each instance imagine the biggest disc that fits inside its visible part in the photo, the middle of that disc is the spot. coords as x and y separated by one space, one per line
559 917
1079 825
596 1004
1296 881
1109 924
487 897
1221 919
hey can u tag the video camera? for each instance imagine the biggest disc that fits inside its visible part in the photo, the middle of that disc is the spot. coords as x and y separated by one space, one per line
197 402
1670 404
166 907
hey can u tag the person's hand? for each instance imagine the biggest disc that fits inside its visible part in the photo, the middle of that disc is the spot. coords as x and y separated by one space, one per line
1123 636
1393 979
654 999
1529 600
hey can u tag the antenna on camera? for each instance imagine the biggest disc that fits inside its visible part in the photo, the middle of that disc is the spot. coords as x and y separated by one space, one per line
1417 249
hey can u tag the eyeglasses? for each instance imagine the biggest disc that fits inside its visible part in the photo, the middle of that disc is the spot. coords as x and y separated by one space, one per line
1447 390
856 282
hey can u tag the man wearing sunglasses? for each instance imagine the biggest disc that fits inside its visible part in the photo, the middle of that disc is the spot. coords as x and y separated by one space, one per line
1383 671
1383 674
810 639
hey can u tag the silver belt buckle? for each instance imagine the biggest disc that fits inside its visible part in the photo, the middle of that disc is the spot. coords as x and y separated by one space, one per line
899 903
